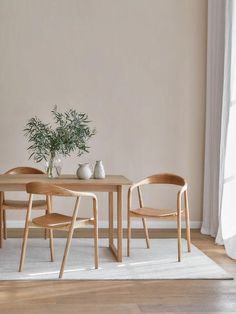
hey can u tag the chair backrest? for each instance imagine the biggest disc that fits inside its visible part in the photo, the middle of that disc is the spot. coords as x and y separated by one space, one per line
44 188
24 170
163 178
48 189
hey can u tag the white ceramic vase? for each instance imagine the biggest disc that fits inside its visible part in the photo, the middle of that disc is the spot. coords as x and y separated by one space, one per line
84 172
99 172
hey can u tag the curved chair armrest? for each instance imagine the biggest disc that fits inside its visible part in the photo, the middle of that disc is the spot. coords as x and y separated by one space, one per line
130 191
43 188
85 194
183 189
179 196
149 180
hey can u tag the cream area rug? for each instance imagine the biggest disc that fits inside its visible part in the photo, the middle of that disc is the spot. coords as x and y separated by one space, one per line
158 262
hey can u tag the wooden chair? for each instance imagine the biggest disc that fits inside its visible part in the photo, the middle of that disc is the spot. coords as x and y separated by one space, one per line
8 204
56 221
147 212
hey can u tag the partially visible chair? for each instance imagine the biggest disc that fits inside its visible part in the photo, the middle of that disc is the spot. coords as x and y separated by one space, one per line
56 221
9 204
144 212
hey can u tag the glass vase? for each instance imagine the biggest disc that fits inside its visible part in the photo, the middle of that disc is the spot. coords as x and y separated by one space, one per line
53 166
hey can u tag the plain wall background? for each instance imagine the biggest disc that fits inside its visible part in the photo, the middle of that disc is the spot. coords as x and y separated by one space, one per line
137 67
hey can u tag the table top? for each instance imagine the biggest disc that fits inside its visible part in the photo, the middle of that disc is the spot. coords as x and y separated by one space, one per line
16 181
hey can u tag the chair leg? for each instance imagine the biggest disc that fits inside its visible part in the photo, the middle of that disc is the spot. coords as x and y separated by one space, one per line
5 224
179 236
23 250
146 232
26 233
47 211
96 244
1 227
68 243
46 230
95 215
45 234
128 234
51 244
187 221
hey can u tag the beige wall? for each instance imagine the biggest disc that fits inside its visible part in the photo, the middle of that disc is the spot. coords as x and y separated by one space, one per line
137 67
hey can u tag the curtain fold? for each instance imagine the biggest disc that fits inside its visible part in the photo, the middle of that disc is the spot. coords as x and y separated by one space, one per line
227 230
214 96
226 99
219 204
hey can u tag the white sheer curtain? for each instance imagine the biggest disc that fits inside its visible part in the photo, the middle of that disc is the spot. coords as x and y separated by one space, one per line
227 230
214 94
219 211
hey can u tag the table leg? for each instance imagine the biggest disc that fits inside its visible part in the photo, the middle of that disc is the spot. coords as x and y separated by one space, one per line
111 226
1 220
116 250
49 208
119 224
4 224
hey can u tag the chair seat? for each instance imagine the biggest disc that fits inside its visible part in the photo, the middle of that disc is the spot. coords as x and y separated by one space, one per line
12 204
56 220
154 213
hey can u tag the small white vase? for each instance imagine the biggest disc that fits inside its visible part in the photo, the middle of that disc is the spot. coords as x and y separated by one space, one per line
99 172
84 172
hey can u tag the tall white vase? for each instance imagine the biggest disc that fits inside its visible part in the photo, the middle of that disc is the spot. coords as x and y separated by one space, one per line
99 172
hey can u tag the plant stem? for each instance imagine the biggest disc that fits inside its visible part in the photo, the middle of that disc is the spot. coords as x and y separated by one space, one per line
51 165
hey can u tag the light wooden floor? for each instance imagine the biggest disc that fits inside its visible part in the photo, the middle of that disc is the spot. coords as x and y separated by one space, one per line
163 296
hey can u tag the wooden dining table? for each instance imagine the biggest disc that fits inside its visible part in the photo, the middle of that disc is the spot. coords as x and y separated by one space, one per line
111 184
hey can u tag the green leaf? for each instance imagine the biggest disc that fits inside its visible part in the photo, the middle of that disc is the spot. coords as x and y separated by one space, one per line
71 132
